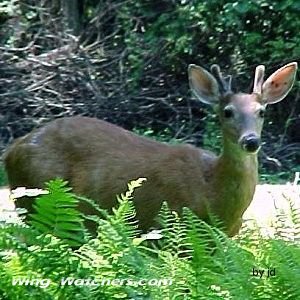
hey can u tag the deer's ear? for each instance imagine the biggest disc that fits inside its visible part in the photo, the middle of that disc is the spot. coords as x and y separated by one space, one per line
203 85
277 86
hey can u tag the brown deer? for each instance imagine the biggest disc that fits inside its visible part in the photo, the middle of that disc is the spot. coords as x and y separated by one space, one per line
99 159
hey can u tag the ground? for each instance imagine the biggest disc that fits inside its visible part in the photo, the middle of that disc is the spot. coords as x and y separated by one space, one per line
271 200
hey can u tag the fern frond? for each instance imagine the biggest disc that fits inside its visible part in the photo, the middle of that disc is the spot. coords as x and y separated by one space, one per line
56 213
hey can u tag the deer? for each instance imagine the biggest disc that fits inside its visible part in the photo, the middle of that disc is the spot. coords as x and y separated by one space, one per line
98 158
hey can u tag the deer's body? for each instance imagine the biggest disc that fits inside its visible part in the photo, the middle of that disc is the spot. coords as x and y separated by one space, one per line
99 159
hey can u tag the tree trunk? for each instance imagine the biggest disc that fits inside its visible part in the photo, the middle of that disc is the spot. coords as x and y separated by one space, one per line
71 15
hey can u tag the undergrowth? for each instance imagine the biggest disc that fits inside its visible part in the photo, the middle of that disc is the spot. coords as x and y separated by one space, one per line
185 259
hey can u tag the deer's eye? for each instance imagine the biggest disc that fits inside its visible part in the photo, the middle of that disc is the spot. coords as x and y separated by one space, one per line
261 113
228 113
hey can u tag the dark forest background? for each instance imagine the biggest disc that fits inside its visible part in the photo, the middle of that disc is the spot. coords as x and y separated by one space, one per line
126 62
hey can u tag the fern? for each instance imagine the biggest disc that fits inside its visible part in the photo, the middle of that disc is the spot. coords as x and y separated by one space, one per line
199 259
174 232
56 213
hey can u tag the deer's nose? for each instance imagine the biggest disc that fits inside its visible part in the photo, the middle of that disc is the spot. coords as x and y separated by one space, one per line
250 143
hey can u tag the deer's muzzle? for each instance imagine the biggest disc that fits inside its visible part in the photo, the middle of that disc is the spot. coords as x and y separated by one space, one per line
250 143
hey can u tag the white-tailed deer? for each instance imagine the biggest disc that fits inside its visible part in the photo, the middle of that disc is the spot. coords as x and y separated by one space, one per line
99 159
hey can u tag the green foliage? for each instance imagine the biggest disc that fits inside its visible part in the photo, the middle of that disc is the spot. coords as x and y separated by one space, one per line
9 8
277 177
211 31
164 136
3 179
212 134
197 260
56 213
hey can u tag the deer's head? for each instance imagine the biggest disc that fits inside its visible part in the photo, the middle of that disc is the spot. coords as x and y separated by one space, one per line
241 114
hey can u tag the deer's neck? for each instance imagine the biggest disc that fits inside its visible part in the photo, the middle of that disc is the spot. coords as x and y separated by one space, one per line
237 160
237 174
